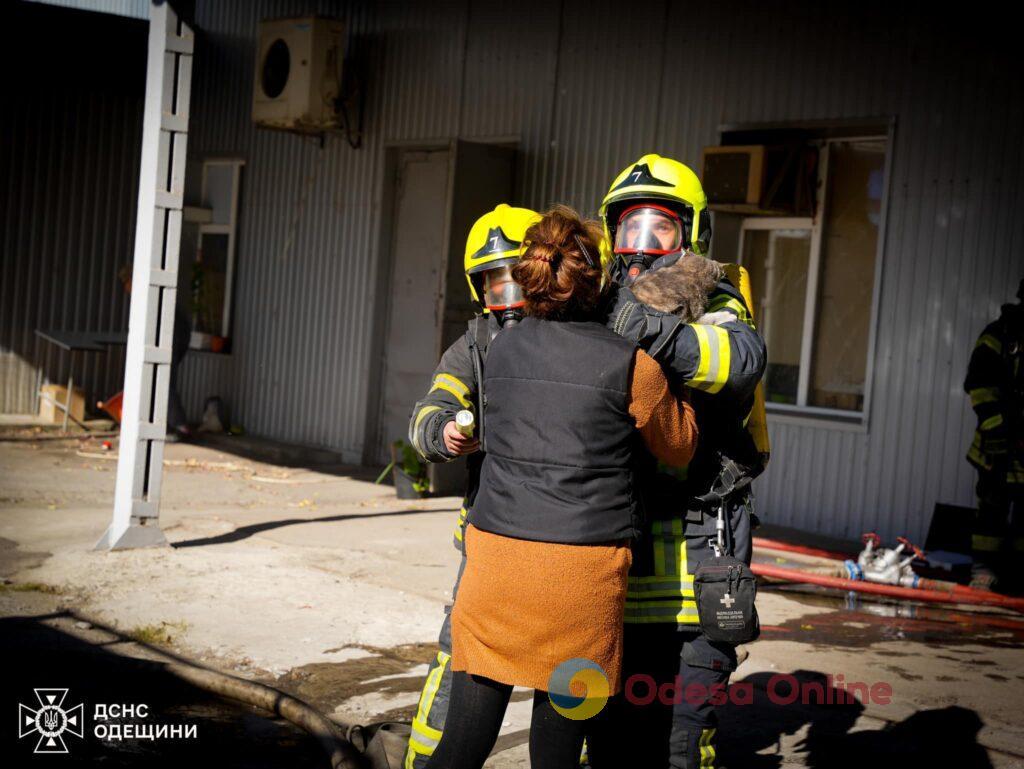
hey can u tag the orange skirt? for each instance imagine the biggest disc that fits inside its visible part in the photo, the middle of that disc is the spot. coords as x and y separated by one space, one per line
523 608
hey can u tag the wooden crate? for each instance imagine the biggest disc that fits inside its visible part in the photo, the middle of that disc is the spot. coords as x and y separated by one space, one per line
48 412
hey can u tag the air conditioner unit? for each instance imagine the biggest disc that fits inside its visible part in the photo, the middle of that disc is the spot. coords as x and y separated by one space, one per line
298 74
733 176
761 179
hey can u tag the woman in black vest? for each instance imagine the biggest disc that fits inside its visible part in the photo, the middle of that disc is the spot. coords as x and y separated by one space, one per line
541 600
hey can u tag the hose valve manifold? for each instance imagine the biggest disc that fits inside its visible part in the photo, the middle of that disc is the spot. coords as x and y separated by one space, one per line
887 566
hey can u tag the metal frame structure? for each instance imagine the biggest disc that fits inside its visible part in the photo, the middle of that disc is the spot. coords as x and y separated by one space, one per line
136 514
815 225
230 229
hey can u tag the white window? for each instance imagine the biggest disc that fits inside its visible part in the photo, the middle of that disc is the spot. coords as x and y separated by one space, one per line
211 277
814 284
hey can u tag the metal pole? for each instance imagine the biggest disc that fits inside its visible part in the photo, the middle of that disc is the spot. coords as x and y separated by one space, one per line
71 388
136 516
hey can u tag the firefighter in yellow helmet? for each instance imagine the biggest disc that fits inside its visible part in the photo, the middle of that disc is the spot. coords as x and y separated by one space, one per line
995 384
657 227
492 248
654 211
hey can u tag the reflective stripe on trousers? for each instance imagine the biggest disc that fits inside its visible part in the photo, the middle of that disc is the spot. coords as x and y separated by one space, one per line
460 528
431 712
667 594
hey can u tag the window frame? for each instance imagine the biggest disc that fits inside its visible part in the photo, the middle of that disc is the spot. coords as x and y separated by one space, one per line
230 230
802 412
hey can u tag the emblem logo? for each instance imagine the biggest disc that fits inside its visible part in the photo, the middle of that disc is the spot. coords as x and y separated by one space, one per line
50 721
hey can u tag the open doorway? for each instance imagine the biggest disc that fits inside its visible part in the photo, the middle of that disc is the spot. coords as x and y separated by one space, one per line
435 195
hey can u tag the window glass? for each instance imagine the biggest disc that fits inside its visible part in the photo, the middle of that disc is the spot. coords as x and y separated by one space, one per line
778 261
847 269
219 187
209 284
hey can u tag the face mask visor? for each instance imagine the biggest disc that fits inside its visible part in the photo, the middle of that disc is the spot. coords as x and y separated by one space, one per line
650 230
500 291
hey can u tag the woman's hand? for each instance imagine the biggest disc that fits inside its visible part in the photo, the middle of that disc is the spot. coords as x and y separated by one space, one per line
457 443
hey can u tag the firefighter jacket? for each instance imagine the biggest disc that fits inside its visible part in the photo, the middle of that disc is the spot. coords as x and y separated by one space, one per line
455 387
720 363
995 384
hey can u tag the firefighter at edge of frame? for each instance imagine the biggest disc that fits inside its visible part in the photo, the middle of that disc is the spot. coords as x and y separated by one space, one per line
995 384
493 247
656 219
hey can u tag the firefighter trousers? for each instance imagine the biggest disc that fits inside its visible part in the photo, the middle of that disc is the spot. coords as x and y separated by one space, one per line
997 534
432 709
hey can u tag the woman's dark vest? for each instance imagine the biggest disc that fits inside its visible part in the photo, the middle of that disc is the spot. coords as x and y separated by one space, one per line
558 454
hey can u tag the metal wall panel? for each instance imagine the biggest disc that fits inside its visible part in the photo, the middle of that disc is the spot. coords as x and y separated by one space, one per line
135 9
69 161
585 88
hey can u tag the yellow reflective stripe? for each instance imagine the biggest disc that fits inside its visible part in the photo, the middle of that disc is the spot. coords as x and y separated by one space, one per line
441 385
443 660
715 358
424 412
676 591
991 422
670 579
703 352
655 620
991 342
458 526
1018 544
454 381
661 611
677 532
662 607
707 749
674 586
424 738
733 305
984 395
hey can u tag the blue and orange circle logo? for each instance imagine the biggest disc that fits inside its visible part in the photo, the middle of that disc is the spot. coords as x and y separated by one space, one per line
578 689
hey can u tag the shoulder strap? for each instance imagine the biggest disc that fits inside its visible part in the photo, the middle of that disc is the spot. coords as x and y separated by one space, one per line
478 337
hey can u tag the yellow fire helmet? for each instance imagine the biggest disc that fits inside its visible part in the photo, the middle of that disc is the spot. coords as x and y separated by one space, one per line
655 192
495 240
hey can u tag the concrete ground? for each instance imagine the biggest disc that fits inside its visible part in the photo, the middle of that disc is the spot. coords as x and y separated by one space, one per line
326 586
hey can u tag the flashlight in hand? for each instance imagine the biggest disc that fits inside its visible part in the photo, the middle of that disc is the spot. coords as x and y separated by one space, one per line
465 422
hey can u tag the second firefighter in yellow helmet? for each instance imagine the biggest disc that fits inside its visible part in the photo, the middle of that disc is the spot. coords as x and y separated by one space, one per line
493 246
492 249
654 210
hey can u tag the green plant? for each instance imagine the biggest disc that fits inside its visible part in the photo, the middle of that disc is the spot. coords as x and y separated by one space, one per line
412 465
157 635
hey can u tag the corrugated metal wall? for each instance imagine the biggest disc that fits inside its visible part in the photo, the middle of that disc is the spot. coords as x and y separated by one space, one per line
70 138
135 9
586 87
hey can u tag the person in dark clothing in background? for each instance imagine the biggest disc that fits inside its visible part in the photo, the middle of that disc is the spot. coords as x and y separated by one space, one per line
177 428
995 384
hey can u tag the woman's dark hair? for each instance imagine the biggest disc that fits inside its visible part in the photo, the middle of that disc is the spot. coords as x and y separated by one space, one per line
560 270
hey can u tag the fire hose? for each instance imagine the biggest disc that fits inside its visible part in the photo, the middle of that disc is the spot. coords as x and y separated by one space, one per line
930 591
332 738
789 547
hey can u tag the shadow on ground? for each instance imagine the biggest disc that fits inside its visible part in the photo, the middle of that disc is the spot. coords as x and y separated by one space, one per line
244 532
749 735
40 655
